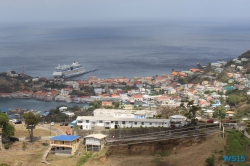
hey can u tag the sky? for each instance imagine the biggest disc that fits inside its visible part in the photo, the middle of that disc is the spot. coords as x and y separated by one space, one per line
116 10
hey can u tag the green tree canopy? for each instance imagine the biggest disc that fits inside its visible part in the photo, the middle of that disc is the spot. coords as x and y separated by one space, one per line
31 120
4 119
8 130
233 99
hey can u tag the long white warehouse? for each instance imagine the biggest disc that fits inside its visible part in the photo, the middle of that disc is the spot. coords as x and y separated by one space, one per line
90 122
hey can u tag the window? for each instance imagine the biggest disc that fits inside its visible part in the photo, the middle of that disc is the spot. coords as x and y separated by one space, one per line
150 123
135 123
123 122
142 123
100 121
111 121
79 121
87 121
116 122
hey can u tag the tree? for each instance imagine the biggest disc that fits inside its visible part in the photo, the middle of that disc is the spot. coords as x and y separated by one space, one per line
8 130
31 120
233 99
190 111
116 104
4 119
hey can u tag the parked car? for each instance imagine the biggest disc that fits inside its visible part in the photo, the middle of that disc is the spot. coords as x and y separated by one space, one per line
210 121
13 139
62 123
18 122
66 124
52 124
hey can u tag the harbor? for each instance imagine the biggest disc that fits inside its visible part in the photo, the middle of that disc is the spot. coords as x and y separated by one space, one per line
12 103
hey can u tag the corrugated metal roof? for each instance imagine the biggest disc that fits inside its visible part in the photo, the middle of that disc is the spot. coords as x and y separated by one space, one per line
120 119
98 136
65 138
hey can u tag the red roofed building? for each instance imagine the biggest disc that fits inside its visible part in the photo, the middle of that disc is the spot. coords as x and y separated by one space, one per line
138 97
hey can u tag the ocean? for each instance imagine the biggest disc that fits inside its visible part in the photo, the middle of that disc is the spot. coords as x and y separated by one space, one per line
119 49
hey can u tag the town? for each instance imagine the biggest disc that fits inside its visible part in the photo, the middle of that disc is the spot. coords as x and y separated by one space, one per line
171 104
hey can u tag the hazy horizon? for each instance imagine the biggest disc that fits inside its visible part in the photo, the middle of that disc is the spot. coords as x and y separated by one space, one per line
123 10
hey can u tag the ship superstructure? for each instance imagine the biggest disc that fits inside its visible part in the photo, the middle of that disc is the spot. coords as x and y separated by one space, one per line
67 71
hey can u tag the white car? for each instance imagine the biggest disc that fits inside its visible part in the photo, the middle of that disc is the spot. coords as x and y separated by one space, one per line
52 124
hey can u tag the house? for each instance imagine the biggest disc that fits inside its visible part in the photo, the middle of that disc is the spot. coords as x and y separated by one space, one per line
137 97
217 104
5 95
94 142
64 144
90 122
218 70
106 103
208 112
230 113
128 106
98 91
177 119
216 65
228 88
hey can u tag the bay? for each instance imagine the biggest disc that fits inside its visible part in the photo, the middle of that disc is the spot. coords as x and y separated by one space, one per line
37 105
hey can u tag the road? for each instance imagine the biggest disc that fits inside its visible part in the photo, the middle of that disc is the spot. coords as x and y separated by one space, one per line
44 138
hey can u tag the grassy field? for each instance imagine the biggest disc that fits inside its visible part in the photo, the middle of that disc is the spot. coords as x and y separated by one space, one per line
238 144
21 131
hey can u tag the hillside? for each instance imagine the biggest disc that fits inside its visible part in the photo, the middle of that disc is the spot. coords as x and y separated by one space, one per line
245 55
188 152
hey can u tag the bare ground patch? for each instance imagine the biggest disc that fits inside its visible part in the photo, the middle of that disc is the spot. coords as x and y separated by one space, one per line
184 154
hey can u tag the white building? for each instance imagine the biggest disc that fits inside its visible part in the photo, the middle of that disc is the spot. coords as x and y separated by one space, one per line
90 122
122 113
177 118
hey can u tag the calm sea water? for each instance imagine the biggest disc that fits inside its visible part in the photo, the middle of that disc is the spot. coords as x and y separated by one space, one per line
33 104
117 49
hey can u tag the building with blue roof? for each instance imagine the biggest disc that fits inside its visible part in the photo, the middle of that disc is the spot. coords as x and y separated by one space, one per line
64 144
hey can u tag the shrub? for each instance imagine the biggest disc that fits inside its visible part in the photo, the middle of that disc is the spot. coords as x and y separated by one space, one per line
45 144
3 164
210 161
24 145
6 146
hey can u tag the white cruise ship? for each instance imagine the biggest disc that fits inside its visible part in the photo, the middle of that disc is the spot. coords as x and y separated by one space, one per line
67 71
